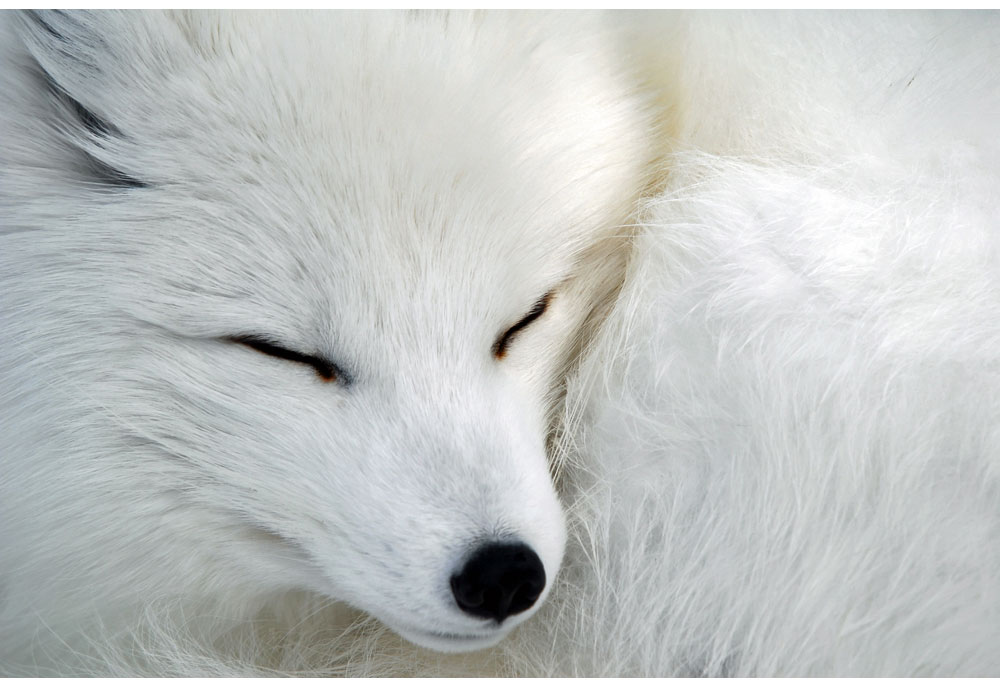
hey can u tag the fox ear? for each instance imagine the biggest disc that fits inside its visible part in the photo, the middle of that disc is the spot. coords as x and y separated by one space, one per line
73 57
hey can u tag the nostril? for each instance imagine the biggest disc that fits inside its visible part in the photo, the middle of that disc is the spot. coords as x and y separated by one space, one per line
498 581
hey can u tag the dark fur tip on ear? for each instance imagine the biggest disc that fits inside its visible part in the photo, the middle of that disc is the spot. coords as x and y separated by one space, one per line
65 47
60 37
39 18
106 175
95 125
65 51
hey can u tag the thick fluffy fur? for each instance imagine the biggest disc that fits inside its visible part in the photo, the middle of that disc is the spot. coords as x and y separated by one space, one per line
778 456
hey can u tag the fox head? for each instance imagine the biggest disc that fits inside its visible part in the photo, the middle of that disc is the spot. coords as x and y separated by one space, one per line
318 279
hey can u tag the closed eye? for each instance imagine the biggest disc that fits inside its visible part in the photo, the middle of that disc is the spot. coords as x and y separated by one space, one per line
327 370
503 343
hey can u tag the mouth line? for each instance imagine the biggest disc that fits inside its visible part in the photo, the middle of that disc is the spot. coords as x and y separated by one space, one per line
448 642
452 635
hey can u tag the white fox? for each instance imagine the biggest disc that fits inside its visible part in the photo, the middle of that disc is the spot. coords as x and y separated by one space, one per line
670 340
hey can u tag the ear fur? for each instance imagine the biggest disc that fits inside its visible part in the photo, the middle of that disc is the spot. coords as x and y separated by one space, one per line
71 56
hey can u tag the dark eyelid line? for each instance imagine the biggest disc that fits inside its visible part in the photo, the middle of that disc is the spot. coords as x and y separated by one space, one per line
326 369
500 347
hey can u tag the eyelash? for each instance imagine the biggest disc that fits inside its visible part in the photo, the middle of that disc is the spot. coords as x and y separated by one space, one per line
503 343
327 370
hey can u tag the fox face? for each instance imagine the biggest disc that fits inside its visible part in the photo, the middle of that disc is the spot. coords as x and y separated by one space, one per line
330 275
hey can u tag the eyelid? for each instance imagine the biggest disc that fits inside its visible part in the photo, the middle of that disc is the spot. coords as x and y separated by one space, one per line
327 370
503 343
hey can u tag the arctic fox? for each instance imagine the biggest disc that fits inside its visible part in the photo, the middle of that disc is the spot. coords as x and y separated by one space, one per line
287 300
677 333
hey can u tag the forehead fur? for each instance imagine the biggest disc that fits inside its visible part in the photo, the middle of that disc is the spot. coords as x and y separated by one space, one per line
404 167
357 118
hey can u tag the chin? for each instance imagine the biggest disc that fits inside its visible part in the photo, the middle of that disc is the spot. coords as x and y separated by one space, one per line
452 643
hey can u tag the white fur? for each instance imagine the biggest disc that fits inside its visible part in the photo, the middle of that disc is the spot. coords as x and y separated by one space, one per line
777 457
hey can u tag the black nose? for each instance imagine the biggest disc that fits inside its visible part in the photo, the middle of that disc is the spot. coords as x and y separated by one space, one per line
499 580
